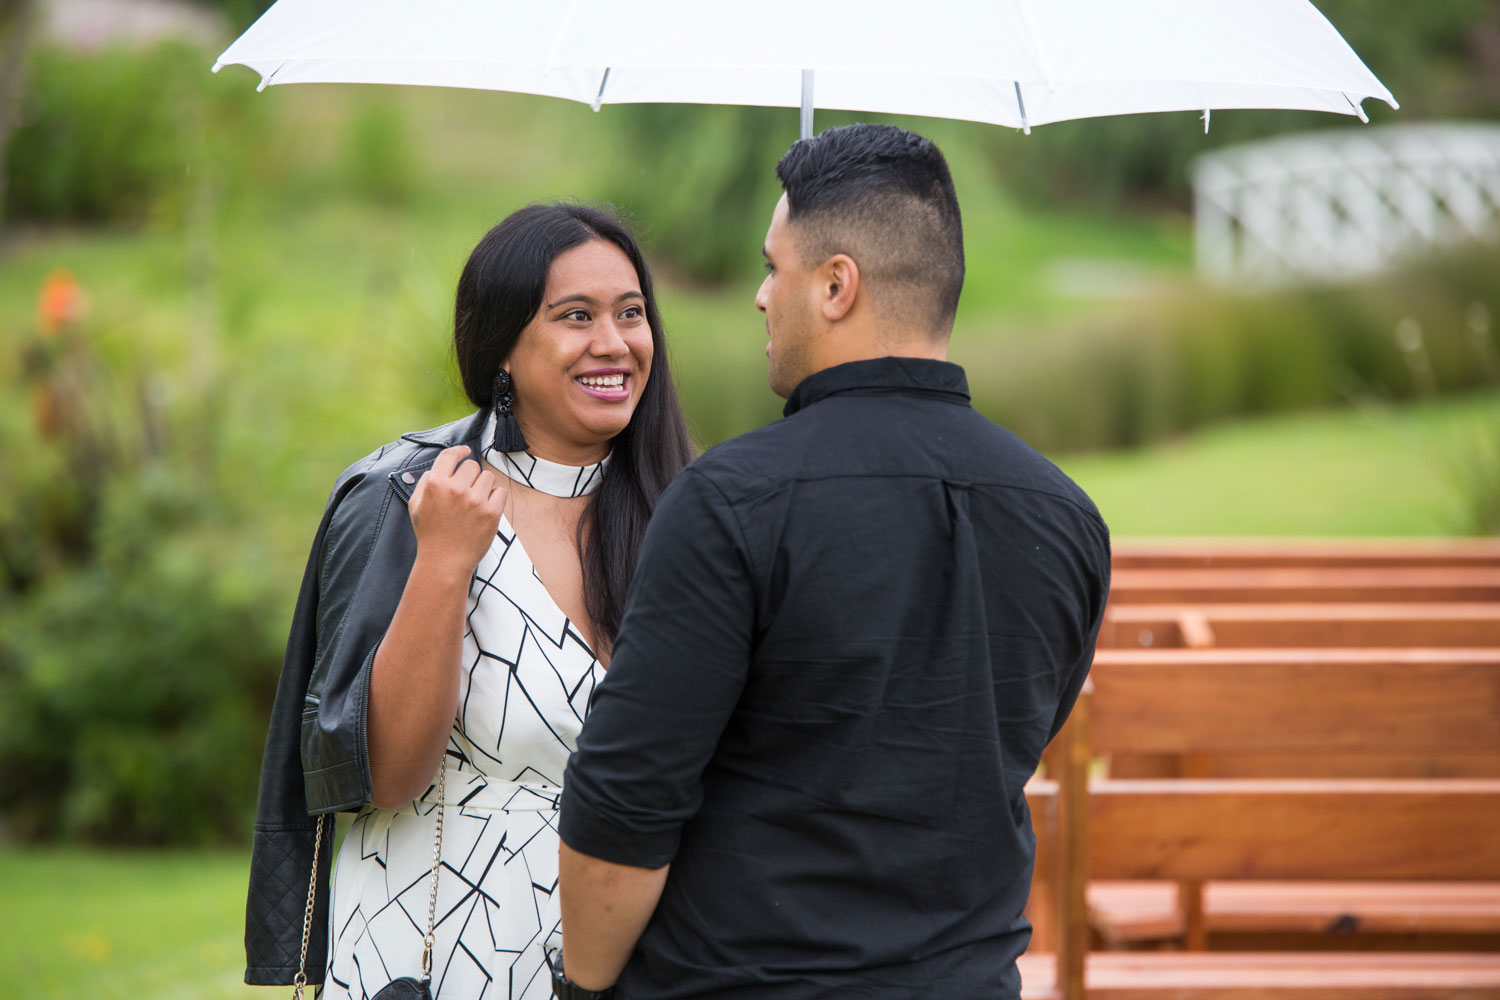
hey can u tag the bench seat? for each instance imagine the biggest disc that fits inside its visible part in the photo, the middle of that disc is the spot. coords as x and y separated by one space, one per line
1273 976
1127 912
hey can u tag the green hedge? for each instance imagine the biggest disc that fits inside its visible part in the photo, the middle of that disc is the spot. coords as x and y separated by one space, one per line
1164 368
130 136
108 137
135 684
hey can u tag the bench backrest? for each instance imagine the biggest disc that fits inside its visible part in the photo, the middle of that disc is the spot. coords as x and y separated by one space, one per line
1312 701
1286 585
1261 626
1230 554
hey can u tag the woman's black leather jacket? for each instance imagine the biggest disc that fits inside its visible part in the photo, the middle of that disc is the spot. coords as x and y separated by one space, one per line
317 752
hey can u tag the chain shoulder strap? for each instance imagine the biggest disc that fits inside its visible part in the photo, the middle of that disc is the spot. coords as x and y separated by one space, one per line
437 858
299 983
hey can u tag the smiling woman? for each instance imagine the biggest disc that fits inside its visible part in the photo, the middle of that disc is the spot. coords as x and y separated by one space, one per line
442 656
583 361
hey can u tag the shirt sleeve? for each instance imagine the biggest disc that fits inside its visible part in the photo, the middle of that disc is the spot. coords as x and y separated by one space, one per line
1095 535
677 671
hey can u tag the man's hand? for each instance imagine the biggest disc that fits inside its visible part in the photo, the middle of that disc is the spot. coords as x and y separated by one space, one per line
456 509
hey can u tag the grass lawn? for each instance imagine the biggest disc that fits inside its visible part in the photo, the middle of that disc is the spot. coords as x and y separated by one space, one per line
122 925
1414 470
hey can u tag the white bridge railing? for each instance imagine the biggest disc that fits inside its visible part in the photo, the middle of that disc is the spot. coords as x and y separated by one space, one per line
1341 204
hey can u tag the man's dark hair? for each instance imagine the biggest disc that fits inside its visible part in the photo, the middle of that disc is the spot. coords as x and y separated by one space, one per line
883 196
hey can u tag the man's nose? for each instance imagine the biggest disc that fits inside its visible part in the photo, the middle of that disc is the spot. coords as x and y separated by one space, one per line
760 296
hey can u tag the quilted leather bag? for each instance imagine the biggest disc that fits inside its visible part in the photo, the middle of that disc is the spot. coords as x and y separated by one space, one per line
406 988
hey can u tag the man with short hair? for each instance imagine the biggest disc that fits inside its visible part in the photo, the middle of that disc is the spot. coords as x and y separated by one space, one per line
850 635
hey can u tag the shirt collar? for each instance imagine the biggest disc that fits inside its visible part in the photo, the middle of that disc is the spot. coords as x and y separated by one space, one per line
922 376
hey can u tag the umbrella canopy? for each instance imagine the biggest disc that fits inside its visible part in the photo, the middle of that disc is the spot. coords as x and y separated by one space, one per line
1007 62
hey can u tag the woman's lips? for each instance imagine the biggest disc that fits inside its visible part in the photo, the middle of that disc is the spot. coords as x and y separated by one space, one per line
603 389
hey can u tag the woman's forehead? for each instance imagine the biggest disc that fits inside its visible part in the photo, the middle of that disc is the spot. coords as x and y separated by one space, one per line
590 268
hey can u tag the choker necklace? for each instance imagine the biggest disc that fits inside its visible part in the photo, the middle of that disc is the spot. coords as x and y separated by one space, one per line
552 478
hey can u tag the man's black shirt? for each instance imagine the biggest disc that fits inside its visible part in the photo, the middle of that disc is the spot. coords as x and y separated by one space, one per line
850 635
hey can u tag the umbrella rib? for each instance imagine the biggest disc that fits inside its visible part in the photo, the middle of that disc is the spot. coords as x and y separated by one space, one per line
1357 109
1021 103
267 80
599 97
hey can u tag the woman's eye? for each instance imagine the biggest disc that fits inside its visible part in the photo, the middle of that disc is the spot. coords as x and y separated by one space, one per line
577 315
634 312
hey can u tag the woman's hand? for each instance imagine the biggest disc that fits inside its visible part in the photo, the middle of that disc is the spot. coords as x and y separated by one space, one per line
455 510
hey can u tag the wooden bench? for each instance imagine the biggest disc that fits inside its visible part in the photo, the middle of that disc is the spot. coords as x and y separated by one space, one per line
1322 625
1302 626
1398 680
1303 584
1195 553
1133 913
1299 914
1220 976
1241 832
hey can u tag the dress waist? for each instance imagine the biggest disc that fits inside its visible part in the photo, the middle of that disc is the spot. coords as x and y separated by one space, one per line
472 791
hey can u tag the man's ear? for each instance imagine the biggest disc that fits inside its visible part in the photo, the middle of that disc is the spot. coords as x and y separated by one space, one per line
838 282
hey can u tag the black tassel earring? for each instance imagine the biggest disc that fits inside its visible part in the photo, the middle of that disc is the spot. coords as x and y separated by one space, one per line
508 435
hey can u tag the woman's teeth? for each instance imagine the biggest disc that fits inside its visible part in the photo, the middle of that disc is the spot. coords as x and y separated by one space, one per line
603 381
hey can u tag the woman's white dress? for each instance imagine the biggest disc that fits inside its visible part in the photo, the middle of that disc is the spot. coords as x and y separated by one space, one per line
526 682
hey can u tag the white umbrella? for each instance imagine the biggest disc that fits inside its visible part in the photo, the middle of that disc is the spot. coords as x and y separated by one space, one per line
1008 62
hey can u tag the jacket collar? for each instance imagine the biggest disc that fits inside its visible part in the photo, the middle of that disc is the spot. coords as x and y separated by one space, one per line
466 430
905 376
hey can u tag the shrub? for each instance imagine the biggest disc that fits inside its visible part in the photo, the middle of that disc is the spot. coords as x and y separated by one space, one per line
115 136
702 179
134 687
1209 356
379 154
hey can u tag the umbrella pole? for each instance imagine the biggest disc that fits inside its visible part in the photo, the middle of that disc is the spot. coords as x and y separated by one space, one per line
807 104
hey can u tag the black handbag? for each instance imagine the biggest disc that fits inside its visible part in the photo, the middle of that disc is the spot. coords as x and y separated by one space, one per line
405 988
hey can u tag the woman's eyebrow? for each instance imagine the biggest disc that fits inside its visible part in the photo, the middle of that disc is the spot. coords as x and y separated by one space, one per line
589 300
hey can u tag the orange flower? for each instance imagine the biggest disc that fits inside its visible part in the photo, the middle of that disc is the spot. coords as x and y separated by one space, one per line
61 302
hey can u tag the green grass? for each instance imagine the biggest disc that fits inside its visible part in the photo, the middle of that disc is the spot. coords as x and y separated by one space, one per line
122 925
1360 471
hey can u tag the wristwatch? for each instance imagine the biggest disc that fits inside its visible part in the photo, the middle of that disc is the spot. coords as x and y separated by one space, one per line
564 990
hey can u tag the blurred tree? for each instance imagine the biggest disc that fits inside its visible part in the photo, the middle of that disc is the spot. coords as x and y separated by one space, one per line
16 19
140 621
100 143
240 13
700 179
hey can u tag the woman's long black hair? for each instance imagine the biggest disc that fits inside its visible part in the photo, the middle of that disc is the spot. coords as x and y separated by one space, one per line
501 288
